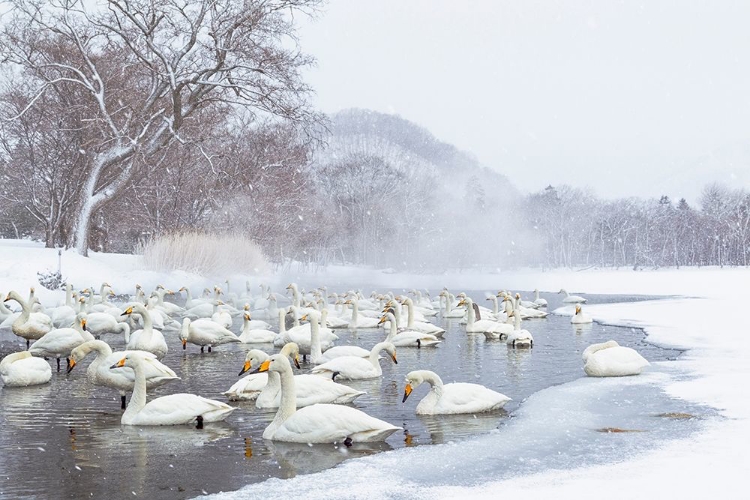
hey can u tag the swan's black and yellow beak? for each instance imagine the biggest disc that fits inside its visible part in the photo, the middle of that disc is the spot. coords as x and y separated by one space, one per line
184 344
71 364
247 317
264 366
296 362
83 324
245 368
128 311
119 364
383 319
393 357
7 298
407 391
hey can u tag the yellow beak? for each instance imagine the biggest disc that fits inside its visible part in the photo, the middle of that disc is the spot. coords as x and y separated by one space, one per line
407 391
264 366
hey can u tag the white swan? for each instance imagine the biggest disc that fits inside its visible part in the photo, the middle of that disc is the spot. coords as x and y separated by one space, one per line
309 389
29 325
485 326
519 337
99 323
320 423
358 321
174 409
248 387
121 379
147 339
61 341
356 368
610 359
221 316
526 312
302 336
420 326
62 316
252 335
204 332
21 369
407 338
580 317
446 399
571 299
540 302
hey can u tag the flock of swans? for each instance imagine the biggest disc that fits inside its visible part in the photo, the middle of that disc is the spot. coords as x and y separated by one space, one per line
311 408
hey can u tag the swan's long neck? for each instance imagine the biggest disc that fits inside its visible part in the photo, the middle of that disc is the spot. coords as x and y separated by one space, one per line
410 311
516 320
315 352
355 312
470 318
282 322
245 326
25 309
148 325
375 355
138 399
436 383
271 389
102 352
494 305
288 403
69 296
536 295
394 327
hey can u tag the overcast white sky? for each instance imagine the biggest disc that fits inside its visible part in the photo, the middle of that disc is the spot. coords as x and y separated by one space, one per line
630 98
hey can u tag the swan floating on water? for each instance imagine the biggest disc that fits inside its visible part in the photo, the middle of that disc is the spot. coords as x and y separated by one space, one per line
571 299
319 423
581 318
446 399
175 409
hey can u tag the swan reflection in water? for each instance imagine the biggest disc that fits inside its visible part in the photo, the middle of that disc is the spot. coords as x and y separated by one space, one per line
301 458
445 428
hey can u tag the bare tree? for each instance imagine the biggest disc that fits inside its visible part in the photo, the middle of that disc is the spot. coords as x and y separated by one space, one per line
146 68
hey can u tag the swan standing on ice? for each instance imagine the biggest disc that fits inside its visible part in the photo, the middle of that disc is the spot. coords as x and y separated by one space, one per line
610 359
580 318
571 299
320 423
21 369
121 379
446 399
174 409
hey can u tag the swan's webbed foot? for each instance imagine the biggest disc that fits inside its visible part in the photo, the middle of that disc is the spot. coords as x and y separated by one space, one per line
123 402
333 376
201 348
419 344
348 442
209 348
199 422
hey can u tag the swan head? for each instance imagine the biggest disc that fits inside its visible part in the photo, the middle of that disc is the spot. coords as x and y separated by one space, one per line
389 348
182 289
578 309
291 349
254 357
276 363
247 316
134 358
12 295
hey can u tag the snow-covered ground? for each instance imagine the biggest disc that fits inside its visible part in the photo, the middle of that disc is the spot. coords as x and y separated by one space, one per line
704 315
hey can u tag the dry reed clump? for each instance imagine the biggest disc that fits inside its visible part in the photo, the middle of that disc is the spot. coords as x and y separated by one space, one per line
204 253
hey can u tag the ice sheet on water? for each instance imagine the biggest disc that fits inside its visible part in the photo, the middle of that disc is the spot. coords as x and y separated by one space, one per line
560 427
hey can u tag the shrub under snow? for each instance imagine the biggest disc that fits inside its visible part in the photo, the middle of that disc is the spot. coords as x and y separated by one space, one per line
205 254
